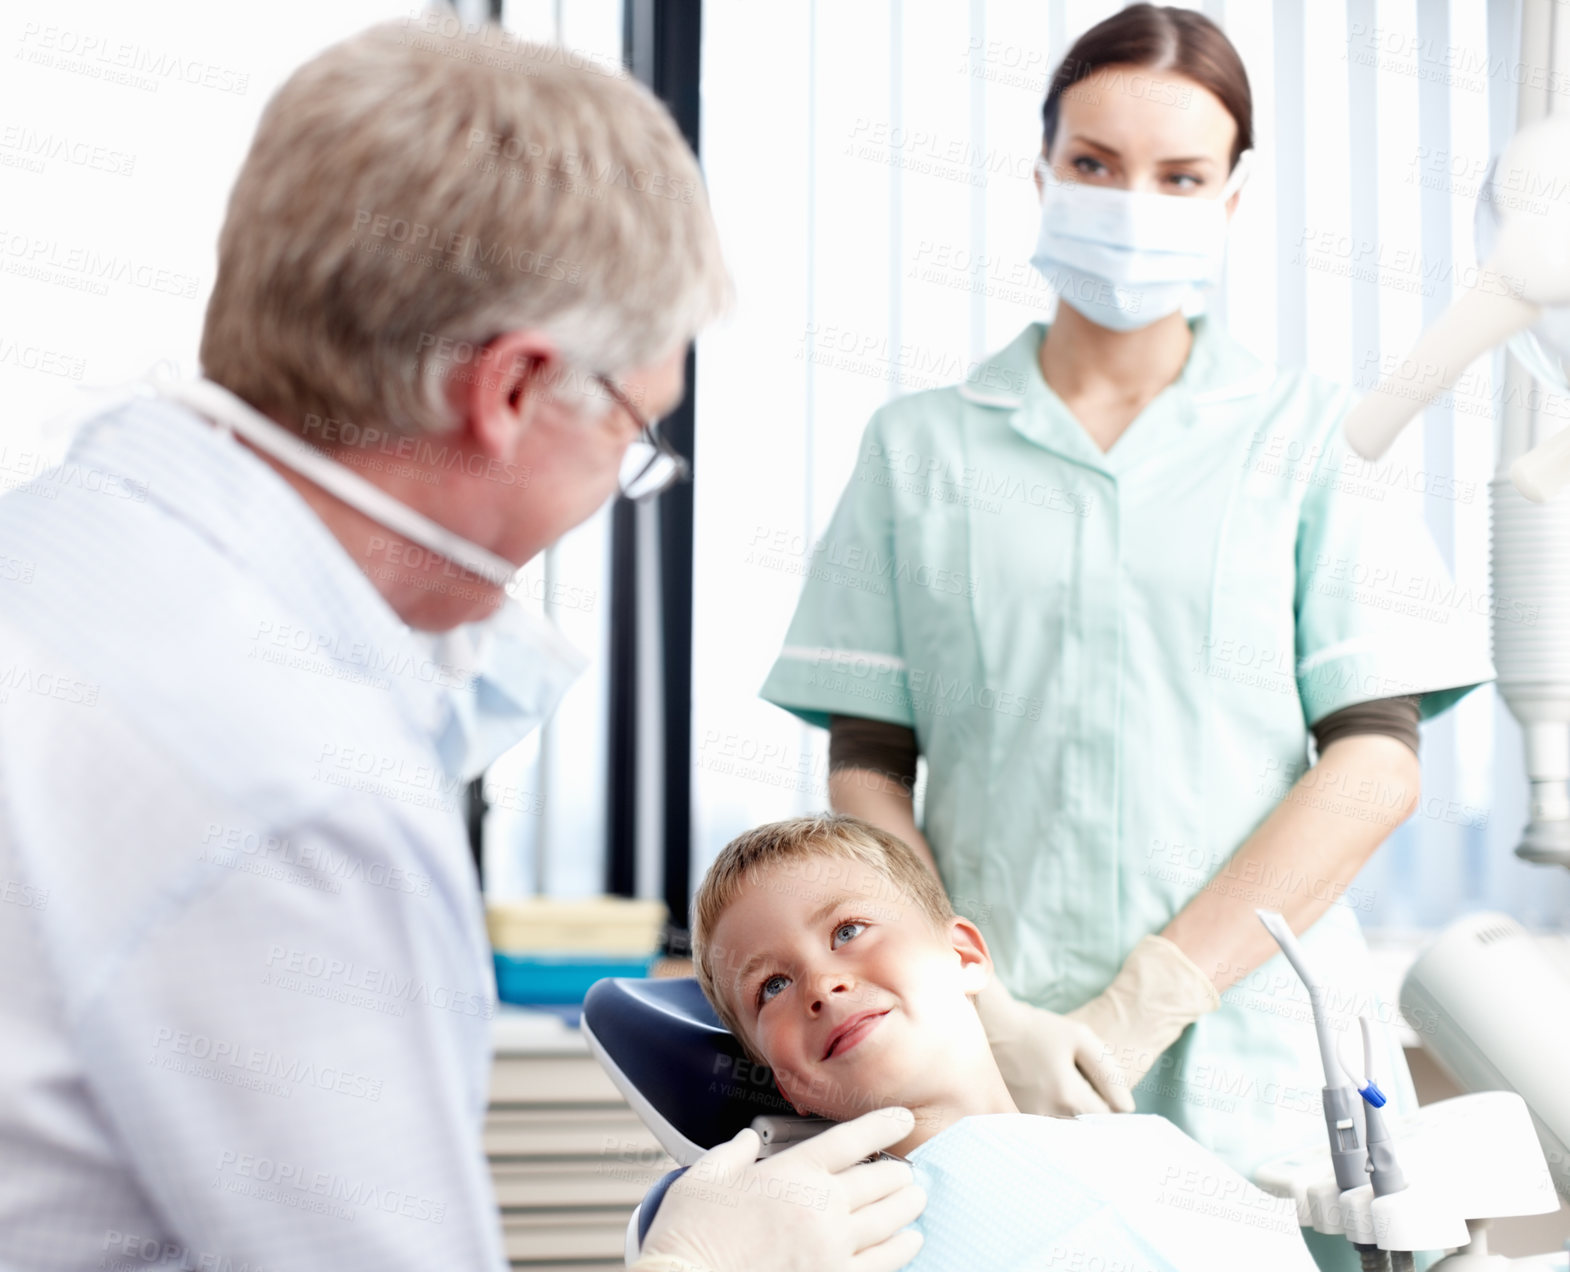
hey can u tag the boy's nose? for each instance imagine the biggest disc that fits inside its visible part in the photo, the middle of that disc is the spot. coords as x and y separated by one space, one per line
828 986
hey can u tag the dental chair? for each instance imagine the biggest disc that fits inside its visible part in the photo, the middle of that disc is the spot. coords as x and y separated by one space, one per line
691 1082
685 1075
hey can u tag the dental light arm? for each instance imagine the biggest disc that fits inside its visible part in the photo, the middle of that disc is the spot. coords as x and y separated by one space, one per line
1520 295
1528 269
1484 316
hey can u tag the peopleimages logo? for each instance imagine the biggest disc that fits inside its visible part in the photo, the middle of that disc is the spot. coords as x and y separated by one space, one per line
293 1185
288 968
222 844
224 1059
128 1250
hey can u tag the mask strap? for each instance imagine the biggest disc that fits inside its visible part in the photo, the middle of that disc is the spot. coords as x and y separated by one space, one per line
1240 171
235 415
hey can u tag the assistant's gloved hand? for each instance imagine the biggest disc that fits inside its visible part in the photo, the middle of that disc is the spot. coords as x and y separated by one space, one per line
1156 995
812 1208
1051 1064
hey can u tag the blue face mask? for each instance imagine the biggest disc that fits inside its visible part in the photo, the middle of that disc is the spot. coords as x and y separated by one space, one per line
519 668
1126 258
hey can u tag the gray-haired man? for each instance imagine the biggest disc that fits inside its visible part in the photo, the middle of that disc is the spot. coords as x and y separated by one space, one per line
247 1000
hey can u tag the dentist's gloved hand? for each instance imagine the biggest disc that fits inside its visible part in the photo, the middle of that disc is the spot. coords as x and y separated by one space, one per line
811 1208
1156 995
1051 1064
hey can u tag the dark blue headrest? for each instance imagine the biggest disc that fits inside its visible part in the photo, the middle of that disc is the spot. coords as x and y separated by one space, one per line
671 1057
652 1199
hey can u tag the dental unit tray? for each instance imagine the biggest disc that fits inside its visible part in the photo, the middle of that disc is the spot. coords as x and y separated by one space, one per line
1470 1158
1465 1160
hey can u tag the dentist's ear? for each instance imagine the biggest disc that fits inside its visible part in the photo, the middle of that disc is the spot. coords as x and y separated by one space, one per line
498 391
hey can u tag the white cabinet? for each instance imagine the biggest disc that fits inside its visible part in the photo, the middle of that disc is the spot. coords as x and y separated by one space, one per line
570 1160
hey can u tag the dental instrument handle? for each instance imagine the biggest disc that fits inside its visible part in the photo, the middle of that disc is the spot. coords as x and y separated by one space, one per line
1276 925
1384 1172
1339 1097
1346 1142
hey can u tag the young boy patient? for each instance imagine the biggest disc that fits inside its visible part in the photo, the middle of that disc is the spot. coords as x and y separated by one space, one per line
832 953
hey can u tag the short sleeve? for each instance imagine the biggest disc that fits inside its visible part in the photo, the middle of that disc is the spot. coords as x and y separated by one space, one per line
1378 614
843 654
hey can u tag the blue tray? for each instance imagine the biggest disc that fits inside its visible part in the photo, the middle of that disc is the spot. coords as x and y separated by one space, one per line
534 979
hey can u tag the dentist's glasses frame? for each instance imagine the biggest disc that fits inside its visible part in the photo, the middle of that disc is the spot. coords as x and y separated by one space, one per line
651 465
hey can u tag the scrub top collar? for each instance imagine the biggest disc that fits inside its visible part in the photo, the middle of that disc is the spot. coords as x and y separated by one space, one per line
1218 370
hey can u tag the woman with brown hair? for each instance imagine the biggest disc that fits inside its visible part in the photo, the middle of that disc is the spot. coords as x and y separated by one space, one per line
1160 541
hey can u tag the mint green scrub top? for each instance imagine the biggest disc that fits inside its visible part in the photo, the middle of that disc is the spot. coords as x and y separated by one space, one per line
1111 662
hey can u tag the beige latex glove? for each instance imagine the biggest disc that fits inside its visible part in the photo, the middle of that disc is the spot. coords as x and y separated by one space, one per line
1051 1064
1156 995
816 1207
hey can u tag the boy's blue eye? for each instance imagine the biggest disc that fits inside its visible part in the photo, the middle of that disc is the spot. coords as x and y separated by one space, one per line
775 984
843 927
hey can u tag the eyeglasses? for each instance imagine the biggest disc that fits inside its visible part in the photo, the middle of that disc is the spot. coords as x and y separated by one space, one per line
651 464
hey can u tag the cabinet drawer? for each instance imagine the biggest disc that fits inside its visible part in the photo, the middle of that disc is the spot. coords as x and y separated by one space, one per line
553 1185
518 1079
569 1132
591 1234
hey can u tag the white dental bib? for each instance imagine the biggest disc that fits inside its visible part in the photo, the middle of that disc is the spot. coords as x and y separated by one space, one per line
1011 1192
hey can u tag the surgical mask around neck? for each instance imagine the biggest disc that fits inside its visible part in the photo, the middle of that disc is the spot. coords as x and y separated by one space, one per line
1126 258
515 667
510 669
235 415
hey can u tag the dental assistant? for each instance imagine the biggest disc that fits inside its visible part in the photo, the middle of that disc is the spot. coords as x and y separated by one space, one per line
1153 533
245 986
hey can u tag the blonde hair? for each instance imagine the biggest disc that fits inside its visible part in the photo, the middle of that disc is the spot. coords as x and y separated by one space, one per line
827 835
415 191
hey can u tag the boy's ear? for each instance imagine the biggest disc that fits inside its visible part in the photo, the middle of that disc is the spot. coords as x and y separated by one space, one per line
975 961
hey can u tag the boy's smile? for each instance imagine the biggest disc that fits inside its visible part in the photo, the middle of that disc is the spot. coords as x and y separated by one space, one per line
852 1031
849 991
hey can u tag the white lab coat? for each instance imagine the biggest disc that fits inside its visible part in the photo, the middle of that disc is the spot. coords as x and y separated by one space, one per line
246 985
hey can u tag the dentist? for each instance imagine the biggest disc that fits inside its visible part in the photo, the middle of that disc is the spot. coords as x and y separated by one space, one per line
266 641
1173 575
